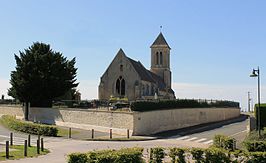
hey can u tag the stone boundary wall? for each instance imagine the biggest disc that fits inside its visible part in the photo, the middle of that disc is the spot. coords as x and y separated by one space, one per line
12 110
146 123
139 123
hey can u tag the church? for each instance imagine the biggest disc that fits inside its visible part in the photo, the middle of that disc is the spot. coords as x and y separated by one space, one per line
127 78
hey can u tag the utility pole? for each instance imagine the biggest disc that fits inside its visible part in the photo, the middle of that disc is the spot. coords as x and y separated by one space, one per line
249 99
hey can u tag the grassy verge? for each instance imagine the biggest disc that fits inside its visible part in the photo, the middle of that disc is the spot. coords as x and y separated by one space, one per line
119 139
63 132
17 152
33 128
28 127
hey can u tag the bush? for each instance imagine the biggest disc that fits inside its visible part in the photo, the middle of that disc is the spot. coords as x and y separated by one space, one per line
156 155
28 127
197 154
225 142
177 155
77 158
180 103
255 157
262 114
216 155
131 155
255 146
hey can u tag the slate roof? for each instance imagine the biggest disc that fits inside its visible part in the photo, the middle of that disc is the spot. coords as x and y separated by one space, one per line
147 75
160 40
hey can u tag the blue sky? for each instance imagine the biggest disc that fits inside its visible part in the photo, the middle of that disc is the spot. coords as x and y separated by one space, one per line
215 44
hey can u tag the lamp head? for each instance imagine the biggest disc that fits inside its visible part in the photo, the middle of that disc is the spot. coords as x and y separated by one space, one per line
254 74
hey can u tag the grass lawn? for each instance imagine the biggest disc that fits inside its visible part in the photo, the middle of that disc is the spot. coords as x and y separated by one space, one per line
17 152
118 139
63 132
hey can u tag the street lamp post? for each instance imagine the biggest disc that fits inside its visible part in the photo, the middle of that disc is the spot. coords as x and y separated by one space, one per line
256 73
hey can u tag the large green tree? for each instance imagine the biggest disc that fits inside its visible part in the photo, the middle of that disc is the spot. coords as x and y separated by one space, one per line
41 75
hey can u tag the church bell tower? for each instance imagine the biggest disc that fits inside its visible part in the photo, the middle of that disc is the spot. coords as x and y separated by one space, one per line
160 59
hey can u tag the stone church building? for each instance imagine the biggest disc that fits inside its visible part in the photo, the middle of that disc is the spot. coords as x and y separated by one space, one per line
127 78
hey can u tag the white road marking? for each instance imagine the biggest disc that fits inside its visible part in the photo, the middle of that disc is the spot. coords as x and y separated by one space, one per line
208 142
182 138
201 140
239 132
191 139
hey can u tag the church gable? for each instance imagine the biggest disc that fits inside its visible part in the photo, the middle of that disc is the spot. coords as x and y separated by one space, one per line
119 79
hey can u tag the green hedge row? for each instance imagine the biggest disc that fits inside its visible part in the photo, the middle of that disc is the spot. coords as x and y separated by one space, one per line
210 155
158 154
262 114
28 127
130 155
179 103
255 146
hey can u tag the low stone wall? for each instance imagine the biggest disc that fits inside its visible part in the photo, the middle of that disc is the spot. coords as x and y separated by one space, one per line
85 119
140 123
12 110
146 123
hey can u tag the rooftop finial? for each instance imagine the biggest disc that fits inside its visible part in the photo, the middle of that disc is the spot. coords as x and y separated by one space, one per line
161 28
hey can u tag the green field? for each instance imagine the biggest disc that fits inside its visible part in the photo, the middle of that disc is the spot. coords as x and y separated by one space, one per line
17 152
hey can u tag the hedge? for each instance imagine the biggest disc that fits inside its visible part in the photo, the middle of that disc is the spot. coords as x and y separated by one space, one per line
262 114
130 155
179 103
255 146
224 142
28 127
158 154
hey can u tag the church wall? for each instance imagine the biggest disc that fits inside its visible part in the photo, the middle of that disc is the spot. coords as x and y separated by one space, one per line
112 74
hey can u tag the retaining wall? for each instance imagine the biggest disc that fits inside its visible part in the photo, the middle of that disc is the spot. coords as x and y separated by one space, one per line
151 122
140 123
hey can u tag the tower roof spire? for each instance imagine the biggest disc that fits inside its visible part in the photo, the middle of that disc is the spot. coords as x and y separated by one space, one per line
160 41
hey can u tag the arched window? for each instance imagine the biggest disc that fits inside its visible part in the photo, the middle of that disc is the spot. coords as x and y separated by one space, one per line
157 58
117 86
120 86
147 90
161 58
123 87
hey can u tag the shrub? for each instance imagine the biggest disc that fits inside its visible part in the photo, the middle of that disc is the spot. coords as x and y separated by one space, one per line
262 114
180 103
225 142
216 155
197 154
131 155
255 157
28 127
255 146
177 155
77 158
156 155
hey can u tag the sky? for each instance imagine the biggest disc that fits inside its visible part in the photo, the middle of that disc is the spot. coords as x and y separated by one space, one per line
215 44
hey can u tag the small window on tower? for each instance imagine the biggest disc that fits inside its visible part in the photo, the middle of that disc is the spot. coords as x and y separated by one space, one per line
161 58
157 58
121 67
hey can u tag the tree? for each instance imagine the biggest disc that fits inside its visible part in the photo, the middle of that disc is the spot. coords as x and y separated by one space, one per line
41 75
